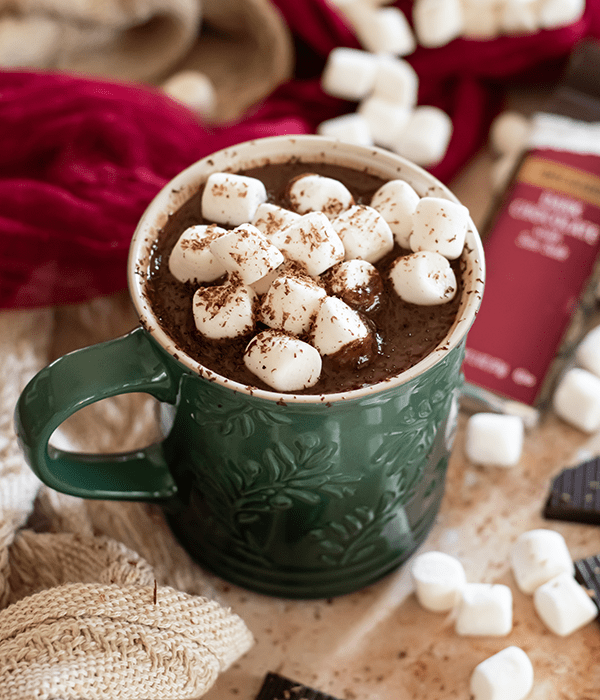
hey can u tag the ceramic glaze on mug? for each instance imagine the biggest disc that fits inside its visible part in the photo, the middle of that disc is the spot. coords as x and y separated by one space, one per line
290 495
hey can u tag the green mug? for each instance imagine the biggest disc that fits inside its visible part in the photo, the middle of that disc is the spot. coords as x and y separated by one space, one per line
298 496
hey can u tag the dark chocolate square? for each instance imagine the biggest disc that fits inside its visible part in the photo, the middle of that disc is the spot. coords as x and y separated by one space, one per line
587 573
276 687
575 494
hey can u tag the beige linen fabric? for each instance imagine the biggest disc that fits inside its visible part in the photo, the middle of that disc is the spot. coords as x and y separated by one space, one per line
243 46
97 599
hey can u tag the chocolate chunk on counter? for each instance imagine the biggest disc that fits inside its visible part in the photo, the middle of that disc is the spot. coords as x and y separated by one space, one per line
276 687
575 494
587 573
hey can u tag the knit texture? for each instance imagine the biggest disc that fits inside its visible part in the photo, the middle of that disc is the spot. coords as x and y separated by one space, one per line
97 600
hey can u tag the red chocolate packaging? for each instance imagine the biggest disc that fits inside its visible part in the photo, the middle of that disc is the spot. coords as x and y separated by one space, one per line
542 244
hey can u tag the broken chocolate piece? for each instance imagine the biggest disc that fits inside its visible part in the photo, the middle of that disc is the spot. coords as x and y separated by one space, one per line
575 494
587 573
276 687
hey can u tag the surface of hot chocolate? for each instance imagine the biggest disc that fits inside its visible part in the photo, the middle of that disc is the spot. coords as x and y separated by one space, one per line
405 333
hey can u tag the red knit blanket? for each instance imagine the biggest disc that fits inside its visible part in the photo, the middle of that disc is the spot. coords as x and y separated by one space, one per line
80 159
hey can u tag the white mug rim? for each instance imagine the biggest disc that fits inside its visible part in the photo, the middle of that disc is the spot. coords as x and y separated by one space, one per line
259 151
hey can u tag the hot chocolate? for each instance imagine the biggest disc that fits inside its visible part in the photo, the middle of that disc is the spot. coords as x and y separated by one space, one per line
400 333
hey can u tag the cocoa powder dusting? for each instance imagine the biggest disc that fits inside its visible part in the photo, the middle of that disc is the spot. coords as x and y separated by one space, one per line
403 333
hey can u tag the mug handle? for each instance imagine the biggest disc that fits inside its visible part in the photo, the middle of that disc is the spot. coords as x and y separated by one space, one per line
127 364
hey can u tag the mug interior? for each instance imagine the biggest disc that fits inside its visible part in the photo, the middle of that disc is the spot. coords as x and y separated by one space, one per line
279 149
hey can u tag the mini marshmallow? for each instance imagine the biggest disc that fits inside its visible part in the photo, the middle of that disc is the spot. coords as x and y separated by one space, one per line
510 132
396 81
246 251
194 89
563 605
441 226
192 259
351 128
282 361
538 556
423 278
291 303
437 22
356 282
481 19
577 399
558 13
349 73
587 353
232 199
439 579
385 119
336 325
494 439
396 201
226 311
425 137
484 609
313 242
262 285
518 17
364 232
316 193
507 675
271 219
381 30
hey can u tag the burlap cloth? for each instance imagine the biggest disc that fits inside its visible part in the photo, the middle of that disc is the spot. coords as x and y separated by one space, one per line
243 46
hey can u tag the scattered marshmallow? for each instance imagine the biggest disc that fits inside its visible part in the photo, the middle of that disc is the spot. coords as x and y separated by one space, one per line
396 201
424 278
232 199
351 128
225 311
437 22
558 13
509 132
357 282
563 605
425 136
484 609
313 242
518 17
193 89
440 225
381 30
507 675
191 258
481 22
385 119
577 399
502 170
271 219
246 251
316 193
538 556
494 439
439 579
587 353
282 361
349 73
291 304
366 235
337 325
397 81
